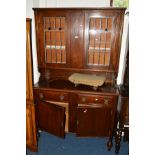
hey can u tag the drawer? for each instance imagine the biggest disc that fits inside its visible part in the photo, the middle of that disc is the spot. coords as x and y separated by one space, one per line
53 96
95 99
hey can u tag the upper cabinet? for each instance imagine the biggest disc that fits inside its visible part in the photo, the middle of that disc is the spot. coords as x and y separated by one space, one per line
79 38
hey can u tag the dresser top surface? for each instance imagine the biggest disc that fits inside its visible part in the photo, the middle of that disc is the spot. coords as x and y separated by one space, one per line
81 8
65 85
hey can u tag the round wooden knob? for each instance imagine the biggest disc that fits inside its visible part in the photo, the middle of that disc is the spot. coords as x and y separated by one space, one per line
106 101
41 95
85 110
83 99
96 99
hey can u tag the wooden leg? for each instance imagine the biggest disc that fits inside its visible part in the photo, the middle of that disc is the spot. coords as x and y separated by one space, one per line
109 143
126 134
118 136
38 133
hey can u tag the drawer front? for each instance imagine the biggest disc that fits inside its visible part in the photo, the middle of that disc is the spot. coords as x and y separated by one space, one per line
95 99
53 96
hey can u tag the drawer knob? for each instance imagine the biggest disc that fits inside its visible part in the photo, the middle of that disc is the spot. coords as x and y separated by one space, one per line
83 99
96 99
41 95
62 97
106 101
85 110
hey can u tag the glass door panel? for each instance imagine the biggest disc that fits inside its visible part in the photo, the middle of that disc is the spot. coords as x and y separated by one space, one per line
54 40
100 36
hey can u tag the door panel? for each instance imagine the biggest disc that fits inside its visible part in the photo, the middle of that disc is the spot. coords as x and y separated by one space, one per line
93 121
51 118
84 121
100 38
53 37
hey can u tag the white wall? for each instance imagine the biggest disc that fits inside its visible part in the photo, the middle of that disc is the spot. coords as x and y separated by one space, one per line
74 3
29 14
83 3
125 39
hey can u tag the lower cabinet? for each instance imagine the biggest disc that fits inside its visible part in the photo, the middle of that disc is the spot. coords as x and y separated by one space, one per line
31 140
84 114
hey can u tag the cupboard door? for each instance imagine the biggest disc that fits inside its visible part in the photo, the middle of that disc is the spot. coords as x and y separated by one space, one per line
100 39
93 121
53 38
51 118
84 121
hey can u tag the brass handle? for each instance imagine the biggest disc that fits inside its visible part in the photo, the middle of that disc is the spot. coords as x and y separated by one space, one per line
41 95
83 99
96 99
85 110
106 101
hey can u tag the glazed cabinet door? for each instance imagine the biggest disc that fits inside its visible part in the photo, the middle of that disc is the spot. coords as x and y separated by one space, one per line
51 118
93 120
31 141
53 38
102 47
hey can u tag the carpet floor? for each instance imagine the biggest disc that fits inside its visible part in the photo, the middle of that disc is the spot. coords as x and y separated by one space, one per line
72 145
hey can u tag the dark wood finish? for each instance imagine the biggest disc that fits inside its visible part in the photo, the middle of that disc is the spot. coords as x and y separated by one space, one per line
51 118
92 120
77 39
76 30
31 139
91 112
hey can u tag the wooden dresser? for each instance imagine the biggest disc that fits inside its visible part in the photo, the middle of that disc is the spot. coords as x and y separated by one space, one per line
84 41
31 141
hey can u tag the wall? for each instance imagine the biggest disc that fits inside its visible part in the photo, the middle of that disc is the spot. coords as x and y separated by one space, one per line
29 14
74 3
125 41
